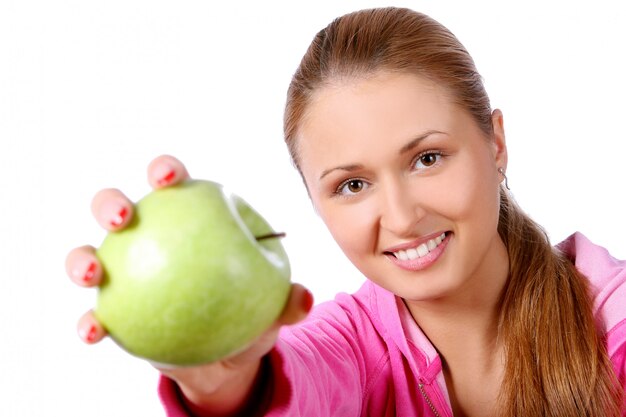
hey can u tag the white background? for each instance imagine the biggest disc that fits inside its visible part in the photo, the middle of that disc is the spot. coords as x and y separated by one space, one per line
91 91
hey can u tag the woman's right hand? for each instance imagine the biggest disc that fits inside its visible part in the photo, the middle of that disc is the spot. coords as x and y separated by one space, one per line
219 388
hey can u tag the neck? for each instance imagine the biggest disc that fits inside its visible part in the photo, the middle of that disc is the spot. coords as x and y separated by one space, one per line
469 315
448 328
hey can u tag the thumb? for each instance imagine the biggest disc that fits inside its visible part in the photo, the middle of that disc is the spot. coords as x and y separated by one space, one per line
298 305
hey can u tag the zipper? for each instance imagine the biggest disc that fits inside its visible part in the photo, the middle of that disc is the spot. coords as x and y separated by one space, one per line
428 401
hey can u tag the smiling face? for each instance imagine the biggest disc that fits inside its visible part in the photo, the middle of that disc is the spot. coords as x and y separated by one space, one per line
407 184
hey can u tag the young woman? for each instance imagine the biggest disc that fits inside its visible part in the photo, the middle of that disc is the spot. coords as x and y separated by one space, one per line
468 310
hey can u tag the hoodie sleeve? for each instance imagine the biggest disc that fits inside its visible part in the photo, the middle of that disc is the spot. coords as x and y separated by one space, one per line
171 398
317 367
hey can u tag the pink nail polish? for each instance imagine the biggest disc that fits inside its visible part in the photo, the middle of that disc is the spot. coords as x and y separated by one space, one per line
119 217
167 178
90 273
90 337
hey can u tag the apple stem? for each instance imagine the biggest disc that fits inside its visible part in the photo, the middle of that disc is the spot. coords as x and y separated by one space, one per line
271 236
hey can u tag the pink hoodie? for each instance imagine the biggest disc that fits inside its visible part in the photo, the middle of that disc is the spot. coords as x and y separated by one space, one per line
363 354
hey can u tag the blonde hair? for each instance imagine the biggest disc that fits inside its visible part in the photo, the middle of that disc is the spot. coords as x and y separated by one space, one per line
556 360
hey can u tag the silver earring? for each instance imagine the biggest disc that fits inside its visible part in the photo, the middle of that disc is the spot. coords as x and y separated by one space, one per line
506 180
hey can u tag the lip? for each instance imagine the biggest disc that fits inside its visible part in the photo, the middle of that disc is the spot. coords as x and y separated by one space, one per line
424 262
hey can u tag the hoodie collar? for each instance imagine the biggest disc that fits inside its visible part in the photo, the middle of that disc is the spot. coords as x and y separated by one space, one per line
401 330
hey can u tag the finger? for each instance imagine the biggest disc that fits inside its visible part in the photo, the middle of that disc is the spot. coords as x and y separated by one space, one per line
89 329
298 305
112 209
82 266
165 170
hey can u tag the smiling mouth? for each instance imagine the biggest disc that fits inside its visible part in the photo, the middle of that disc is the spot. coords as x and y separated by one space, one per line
418 251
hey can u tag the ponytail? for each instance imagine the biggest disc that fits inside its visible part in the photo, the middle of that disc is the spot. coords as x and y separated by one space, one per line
556 359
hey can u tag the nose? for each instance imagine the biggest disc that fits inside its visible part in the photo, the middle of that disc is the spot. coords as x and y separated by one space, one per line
400 208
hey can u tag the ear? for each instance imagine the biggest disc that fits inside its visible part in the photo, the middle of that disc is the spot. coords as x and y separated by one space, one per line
499 143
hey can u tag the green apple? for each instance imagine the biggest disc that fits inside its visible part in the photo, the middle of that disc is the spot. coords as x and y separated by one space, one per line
196 276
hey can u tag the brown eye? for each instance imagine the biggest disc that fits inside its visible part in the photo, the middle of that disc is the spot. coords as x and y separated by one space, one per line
354 186
428 159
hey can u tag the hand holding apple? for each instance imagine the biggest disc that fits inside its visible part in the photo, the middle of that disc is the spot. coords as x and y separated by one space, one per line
195 276
217 385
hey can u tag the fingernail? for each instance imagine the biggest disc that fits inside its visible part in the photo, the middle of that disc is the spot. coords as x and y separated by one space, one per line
90 272
89 335
165 174
307 301
167 179
119 217
84 270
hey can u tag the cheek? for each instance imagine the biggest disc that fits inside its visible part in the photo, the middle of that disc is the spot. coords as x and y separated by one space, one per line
469 194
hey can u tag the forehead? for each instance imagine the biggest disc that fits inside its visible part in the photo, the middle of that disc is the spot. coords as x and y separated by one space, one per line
376 91
349 115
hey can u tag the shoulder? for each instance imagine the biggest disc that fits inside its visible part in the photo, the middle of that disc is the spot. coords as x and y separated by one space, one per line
606 275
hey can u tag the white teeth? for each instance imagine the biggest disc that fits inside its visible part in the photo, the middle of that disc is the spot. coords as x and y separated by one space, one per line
421 251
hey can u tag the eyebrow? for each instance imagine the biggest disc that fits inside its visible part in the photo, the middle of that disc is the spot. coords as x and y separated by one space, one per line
348 168
406 148
416 141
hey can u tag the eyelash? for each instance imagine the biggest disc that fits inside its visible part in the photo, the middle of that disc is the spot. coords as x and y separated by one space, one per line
339 193
438 154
